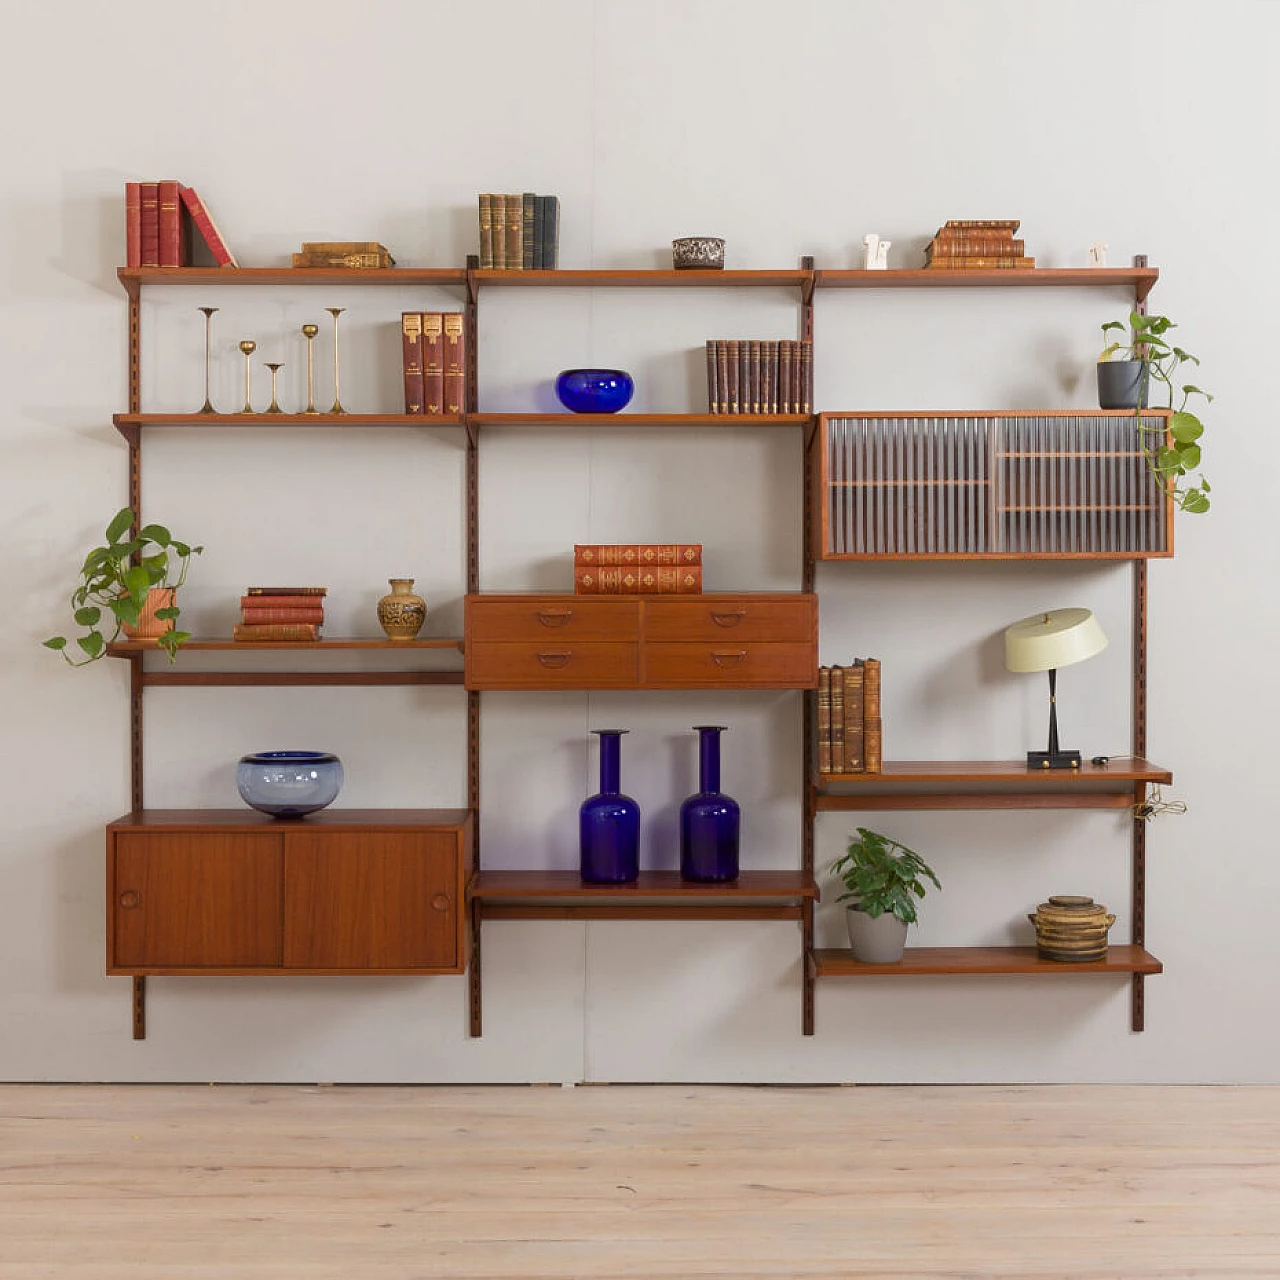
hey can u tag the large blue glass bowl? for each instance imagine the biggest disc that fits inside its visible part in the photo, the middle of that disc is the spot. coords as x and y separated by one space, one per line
594 390
289 784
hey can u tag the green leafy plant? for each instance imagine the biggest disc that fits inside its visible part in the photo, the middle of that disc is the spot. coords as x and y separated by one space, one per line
114 581
1171 460
880 875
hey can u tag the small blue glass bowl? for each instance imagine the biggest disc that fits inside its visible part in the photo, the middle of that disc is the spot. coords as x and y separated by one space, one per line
289 784
594 390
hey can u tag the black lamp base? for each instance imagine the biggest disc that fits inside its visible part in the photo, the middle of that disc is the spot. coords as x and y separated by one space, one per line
1053 760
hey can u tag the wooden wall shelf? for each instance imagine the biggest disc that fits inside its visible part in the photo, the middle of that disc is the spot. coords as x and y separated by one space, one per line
122 648
128 423
657 895
924 962
988 784
1140 279
133 278
625 420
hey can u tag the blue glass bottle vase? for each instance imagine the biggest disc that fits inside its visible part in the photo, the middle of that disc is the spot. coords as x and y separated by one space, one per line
709 821
609 822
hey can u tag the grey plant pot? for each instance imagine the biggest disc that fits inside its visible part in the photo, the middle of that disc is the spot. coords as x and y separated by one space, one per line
1119 384
876 939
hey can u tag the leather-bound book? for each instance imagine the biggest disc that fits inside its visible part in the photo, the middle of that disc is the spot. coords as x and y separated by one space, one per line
824 719
982 224
854 711
284 598
150 224
550 232
713 391
981 264
669 580
784 376
515 232
837 719
208 229
286 591
732 364
806 376
753 365
528 203
276 631
411 342
768 377
133 224
255 613
170 216
539 232
647 554
486 230
871 667
744 376
722 375
433 363
873 735
498 231
455 363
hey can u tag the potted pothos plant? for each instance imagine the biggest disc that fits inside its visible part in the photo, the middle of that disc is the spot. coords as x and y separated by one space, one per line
882 880
1127 372
117 587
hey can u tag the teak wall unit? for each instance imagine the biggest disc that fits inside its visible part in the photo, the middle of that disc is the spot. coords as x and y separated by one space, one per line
312 872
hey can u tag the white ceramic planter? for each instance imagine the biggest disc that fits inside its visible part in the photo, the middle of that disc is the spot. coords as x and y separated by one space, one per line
876 939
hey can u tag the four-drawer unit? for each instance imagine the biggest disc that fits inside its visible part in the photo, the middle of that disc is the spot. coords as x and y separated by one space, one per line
341 891
746 640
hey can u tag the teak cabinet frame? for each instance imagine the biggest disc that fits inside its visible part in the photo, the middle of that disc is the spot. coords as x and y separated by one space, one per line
760 895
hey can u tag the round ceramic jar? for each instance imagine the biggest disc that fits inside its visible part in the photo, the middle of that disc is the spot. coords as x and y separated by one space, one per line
1071 929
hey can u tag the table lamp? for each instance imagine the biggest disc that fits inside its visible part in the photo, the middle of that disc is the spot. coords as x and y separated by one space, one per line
1044 642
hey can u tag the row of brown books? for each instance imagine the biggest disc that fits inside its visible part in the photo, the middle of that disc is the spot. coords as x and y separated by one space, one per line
519 232
435 362
849 725
749 375
280 613
350 254
640 580
966 244
164 222
637 554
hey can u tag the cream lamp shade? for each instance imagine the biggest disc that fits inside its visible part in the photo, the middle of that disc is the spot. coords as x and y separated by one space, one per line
1044 642
1052 639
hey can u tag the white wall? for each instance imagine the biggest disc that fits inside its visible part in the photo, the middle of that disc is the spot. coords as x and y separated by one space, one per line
788 129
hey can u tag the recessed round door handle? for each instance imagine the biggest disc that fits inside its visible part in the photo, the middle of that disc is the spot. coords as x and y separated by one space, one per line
441 902
130 899
554 617
727 657
727 617
555 659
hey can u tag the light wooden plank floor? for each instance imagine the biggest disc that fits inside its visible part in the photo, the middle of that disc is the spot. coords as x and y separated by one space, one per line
717 1183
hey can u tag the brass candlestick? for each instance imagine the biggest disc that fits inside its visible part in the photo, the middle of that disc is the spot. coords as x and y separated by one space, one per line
275 367
248 347
207 407
335 312
309 332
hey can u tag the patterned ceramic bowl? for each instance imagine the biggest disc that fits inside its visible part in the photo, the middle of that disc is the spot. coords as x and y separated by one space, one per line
698 253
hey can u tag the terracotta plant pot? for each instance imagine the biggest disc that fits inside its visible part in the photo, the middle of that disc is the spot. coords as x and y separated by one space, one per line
149 627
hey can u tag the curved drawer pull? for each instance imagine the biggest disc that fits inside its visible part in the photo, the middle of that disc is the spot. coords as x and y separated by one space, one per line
129 899
727 657
554 617
441 902
727 617
555 659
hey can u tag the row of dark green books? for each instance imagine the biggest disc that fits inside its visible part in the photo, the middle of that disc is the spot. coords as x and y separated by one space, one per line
519 232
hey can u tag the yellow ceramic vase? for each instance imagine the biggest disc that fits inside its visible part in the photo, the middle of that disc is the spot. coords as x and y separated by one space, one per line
401 613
